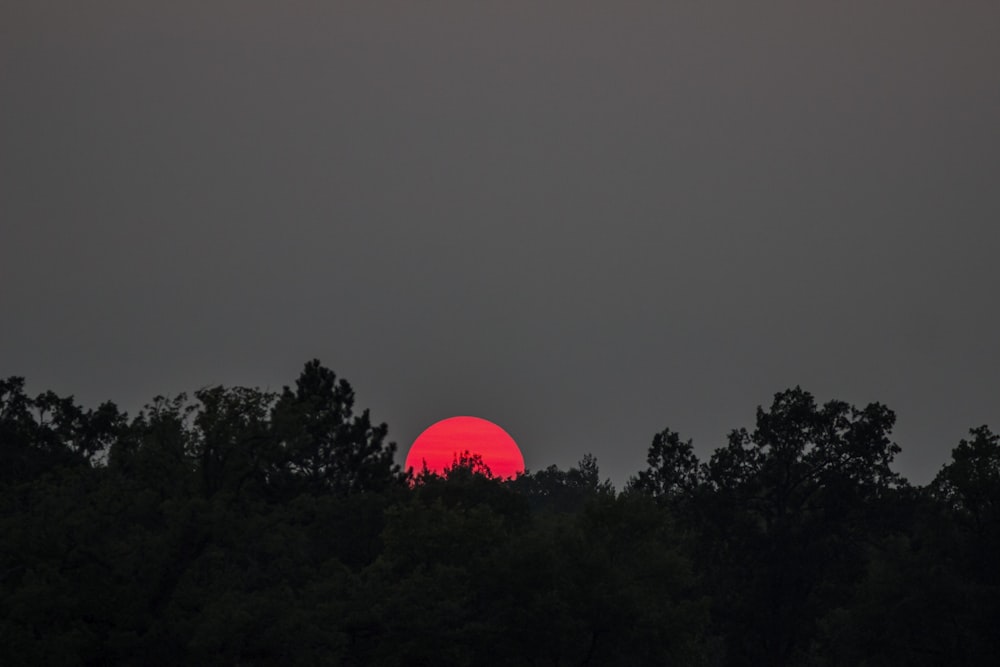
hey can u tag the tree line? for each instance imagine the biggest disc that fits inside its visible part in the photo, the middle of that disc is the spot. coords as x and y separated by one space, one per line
244 527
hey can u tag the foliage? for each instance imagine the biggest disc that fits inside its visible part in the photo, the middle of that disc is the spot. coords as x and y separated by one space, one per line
244 527
673 475
564 490
325 445
48 431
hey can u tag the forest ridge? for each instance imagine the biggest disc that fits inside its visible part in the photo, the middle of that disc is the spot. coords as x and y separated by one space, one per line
243 527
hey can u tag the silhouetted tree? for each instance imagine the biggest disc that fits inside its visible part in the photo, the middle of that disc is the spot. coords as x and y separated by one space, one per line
552 489
969 489
674 473
47 431
325 443
930 593
157 448
233 442
240 527
790 515
970 484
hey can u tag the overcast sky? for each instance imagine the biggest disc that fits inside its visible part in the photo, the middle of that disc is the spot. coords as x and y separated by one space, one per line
586 221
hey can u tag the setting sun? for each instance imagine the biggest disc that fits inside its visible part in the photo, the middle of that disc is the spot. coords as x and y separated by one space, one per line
441 443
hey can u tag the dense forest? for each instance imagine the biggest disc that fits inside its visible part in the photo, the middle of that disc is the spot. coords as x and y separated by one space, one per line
242 527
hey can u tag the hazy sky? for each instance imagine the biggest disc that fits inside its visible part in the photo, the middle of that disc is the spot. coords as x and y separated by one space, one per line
586 221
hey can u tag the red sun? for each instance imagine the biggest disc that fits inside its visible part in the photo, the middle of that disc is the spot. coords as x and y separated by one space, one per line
441 443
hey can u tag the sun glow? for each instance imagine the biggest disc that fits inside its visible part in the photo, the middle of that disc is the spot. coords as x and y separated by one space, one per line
441 443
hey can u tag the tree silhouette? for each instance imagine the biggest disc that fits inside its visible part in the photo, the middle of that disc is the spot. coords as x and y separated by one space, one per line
48 431
552 489
674 473
235 446
325 443
788 516
243 527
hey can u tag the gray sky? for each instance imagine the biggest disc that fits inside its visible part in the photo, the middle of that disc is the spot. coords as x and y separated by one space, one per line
586 221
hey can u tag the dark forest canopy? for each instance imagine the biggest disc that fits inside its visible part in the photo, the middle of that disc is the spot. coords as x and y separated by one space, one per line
245 527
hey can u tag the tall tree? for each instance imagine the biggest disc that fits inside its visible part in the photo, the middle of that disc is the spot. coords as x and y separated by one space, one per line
326 445
790 512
